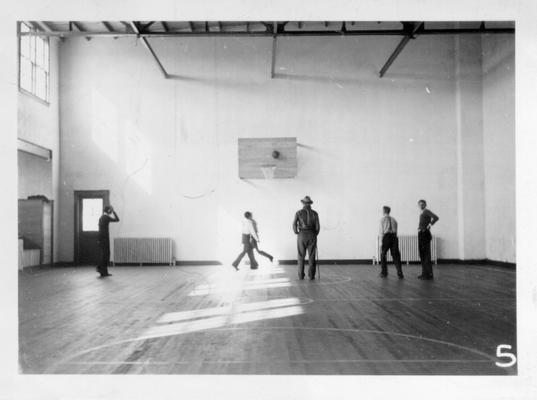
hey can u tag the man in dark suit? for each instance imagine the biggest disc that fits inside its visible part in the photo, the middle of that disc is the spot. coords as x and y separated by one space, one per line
427 220
388 235
306 226
109 215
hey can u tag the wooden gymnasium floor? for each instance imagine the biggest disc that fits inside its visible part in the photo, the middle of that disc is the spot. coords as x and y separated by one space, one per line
213 320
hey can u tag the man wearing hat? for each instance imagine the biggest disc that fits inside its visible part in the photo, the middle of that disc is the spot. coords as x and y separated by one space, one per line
306 226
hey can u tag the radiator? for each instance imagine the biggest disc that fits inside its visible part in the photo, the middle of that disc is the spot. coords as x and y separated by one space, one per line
31 257
143 251
408 246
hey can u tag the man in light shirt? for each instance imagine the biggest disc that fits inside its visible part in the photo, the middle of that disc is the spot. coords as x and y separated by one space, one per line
253 241
388 234
248 231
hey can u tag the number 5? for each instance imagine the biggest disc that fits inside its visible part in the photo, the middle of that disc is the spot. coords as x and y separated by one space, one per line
501 354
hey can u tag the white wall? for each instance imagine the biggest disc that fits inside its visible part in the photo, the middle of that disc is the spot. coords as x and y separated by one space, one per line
38 123
499 146
35 176
167 149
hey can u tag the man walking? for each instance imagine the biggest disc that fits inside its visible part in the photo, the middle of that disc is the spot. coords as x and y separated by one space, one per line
427 220
109 215
254 242
388 234
248 232
306 226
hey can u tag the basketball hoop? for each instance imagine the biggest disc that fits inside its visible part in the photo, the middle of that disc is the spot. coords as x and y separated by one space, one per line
268 171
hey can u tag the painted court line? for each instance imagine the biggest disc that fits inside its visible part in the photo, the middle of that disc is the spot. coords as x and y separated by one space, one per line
487 357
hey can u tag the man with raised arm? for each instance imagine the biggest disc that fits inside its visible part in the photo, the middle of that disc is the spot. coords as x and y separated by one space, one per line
109 215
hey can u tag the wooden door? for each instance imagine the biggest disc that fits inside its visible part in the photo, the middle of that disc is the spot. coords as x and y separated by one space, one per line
89 206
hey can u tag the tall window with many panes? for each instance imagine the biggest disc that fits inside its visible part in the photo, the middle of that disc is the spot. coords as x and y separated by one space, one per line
34 63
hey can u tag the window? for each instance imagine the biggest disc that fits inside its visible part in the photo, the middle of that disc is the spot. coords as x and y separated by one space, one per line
34 63
92 209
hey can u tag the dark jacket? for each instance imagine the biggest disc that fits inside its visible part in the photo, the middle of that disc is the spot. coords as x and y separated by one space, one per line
306 220
104 221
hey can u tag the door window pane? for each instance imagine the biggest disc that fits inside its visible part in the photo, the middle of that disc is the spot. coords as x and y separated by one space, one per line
26 74
41 83
32 48
25 46
92 210
39 51
46 60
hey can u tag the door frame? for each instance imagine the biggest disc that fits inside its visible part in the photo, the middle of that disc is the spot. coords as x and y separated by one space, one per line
78 196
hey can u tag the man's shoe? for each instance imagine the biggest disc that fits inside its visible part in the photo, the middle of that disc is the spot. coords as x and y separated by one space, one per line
312 278
383 275
401 276
235 266
423 277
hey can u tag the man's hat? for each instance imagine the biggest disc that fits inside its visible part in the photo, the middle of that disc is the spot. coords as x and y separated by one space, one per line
306 200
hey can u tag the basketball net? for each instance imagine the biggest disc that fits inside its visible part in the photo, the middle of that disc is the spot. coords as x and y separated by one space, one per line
268 171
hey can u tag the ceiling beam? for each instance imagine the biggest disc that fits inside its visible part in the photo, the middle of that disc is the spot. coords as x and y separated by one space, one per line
45 26
35 25
78 26
411 31
144 27
165 26
128 28
374 32
108 26
273 60
144 40
191 26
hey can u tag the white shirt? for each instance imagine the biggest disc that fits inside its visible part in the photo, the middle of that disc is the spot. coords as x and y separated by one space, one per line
387 225
248 228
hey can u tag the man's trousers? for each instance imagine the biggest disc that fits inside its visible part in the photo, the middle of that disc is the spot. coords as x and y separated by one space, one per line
104 247
390 242
307 243
424 245
247 249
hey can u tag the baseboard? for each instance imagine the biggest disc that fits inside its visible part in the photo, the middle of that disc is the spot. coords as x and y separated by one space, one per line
64 264
484 261
33 268
503 264
458 261
353 261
